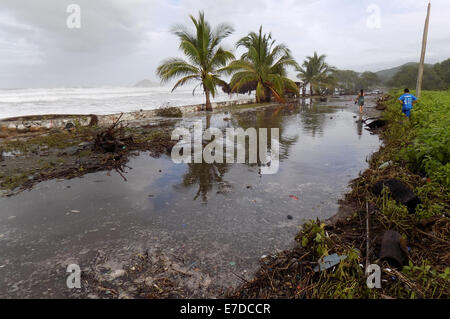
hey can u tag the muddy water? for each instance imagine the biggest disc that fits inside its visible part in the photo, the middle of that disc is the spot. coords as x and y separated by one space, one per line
216 218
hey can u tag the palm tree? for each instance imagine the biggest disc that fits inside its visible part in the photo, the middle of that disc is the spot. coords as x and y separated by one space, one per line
206 58
315 72
263 66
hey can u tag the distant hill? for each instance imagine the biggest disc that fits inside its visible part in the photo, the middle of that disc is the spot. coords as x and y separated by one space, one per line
146 84
386 75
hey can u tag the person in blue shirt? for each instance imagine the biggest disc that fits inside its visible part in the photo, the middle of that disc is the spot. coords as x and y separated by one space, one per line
407 100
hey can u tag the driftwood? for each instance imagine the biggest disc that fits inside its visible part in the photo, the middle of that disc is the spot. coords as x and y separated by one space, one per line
393 249
112 140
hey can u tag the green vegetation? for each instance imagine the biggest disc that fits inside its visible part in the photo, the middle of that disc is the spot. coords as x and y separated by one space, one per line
407 77
317 73
206 57
263 65
369 80
443 70
426 137
350 82
55 140
169 112
436 77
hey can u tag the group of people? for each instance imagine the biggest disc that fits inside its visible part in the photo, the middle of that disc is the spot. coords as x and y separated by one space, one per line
406 99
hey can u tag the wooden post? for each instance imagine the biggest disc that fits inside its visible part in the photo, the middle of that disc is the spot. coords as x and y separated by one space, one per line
422 56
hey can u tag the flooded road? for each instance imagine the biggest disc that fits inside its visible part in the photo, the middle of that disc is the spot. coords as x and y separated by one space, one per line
218 219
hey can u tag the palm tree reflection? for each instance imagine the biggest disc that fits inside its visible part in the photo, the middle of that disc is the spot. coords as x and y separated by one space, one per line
209 175
206 175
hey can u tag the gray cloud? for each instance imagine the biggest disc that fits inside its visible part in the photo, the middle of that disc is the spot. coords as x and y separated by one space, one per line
122 41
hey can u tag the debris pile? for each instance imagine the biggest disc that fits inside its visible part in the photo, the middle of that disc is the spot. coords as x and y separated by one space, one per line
112 139
381 102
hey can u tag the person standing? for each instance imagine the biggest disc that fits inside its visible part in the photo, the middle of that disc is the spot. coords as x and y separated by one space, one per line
360 101
407 100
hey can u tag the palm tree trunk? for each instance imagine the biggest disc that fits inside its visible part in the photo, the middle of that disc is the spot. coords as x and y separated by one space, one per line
267 95
208 102
310 89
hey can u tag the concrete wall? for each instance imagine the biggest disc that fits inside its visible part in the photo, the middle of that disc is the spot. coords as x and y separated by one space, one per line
36 123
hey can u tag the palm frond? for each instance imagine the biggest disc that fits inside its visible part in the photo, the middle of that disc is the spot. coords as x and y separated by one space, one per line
175 67
185 80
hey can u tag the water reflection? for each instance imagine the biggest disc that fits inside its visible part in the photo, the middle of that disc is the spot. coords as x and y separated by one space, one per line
290 119
205 175
359 126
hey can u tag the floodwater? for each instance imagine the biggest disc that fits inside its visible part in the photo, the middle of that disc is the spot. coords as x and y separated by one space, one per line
219 217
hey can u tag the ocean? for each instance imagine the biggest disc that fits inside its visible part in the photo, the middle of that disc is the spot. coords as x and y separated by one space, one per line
103 100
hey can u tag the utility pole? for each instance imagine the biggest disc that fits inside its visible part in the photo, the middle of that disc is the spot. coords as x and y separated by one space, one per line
422 56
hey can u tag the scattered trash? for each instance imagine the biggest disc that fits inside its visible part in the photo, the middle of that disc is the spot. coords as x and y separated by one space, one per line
293 197
377 124
232 263
192 265
116 274
289 217
75 211
385 164
393 249
329 261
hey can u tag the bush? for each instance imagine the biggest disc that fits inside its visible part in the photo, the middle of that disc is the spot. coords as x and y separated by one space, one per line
169 112
426 136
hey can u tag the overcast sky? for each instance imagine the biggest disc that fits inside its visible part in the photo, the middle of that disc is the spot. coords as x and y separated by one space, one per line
122 41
